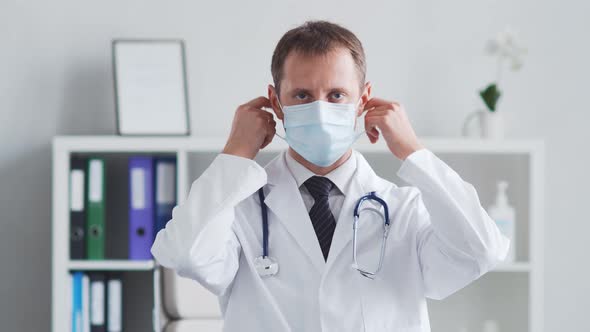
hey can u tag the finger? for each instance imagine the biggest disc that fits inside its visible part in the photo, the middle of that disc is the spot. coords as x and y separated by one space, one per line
373 134
374 122
272 125
375 102
265 116
270 133
371 127
379 111
259 102
269 130
261 112
268 116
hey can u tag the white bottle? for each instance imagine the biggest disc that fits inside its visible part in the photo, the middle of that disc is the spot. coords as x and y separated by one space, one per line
490 326
503 214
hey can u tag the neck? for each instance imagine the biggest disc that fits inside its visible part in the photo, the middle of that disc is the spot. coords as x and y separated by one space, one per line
319 170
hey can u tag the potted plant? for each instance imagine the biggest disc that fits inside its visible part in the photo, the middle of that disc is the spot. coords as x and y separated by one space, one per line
506 48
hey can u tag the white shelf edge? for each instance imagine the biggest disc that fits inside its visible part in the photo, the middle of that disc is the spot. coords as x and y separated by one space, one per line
513 267
113 143
111 265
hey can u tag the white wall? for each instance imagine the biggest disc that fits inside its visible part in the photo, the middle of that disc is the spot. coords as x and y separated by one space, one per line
55 78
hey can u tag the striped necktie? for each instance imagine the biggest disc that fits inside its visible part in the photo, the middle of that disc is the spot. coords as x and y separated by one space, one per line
321 217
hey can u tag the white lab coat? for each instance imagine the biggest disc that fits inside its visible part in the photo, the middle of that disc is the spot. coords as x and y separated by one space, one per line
441 239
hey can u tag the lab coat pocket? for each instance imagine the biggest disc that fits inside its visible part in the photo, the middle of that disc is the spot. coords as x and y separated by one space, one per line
388 301
385 307
368 253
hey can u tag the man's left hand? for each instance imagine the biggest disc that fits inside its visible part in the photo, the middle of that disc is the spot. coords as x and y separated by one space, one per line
391 120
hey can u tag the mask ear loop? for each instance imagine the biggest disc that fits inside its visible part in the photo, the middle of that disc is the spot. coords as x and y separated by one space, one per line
281 137
359 134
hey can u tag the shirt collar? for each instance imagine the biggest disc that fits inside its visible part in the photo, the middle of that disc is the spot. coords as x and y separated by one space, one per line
340 176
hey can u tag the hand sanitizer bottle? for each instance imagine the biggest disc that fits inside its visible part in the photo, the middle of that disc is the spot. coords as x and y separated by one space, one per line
503 214
490 326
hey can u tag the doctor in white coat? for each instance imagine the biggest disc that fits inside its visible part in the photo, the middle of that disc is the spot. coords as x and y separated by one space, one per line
440 239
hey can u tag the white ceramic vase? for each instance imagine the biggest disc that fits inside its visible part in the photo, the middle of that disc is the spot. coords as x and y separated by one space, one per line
491 124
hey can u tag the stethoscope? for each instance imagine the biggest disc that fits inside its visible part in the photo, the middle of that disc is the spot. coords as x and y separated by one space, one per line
267 266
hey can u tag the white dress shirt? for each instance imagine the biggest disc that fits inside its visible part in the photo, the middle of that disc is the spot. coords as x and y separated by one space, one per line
340 176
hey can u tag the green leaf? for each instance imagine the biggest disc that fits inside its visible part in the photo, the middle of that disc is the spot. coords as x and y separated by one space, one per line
490 96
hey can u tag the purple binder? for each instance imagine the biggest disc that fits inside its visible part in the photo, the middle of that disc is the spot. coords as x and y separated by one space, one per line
141 207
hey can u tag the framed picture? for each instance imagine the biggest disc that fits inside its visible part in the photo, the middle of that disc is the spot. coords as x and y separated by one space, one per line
150 87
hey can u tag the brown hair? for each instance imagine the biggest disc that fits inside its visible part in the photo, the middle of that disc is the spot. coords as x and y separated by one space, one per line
317 38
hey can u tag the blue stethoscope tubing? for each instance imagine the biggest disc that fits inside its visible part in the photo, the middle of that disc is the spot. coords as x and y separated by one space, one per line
370 196
264 224
374 196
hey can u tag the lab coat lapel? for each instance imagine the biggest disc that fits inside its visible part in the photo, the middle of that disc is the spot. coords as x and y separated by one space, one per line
284 200
364 180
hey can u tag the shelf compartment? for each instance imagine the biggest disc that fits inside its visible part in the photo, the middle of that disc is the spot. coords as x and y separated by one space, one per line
503 297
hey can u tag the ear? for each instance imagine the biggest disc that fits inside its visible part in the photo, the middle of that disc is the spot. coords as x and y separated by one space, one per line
365 97
274 103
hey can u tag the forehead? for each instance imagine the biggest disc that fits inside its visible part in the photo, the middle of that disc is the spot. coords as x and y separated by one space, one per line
320 72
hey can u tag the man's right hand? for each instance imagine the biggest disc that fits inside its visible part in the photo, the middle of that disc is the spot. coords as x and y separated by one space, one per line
252 129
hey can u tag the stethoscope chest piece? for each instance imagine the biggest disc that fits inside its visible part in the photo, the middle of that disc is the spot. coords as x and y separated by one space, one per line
266 266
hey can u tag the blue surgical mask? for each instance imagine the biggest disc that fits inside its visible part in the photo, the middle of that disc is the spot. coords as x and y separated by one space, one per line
321 132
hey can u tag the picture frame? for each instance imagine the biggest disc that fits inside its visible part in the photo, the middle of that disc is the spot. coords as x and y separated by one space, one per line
151 89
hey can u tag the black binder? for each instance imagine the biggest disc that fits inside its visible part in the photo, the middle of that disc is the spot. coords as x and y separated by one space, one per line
117 205
77 204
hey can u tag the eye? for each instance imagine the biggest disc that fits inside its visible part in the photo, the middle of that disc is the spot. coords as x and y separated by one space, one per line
300 96
337 95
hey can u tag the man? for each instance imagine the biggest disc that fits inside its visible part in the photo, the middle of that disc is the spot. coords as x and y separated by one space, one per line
440 239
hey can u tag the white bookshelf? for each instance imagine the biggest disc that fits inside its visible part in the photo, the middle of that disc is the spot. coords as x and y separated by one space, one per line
528 270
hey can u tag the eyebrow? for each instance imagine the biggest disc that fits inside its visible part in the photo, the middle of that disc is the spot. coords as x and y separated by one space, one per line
303 90
299 90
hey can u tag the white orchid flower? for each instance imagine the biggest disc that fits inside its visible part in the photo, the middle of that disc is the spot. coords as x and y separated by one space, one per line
506 46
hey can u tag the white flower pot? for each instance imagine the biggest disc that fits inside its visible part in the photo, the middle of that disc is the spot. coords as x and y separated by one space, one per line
491 124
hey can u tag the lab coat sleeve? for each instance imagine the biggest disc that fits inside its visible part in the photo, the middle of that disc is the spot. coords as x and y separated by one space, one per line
456 239
199 241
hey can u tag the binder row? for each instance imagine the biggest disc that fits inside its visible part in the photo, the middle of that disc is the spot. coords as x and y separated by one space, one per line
117 205
97 302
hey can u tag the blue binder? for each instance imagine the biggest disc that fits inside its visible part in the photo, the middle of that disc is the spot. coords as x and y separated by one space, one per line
141 207
77 323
